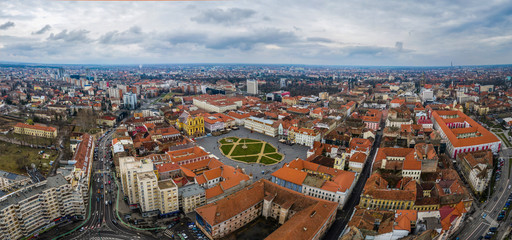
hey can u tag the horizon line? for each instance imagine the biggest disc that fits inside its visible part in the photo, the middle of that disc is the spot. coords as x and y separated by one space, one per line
227 63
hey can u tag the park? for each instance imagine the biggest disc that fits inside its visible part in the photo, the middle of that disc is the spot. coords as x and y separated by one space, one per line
249 150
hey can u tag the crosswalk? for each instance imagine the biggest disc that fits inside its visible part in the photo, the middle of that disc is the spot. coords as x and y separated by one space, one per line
168 233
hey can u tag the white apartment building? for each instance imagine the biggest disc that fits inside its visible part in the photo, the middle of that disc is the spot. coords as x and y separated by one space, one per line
156 197
128 168
140 184
306 136
191 196
8 180
216 105
427 95
252 86
398 122
265 126
39 206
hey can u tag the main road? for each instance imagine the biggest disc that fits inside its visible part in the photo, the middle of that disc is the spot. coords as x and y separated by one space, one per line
103 220
475 224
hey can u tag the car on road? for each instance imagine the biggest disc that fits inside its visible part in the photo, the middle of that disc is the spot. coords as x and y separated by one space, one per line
484 215
97 199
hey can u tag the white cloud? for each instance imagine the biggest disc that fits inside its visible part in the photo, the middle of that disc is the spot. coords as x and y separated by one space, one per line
369 32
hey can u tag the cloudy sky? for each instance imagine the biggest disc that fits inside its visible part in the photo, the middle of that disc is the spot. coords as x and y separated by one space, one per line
354 32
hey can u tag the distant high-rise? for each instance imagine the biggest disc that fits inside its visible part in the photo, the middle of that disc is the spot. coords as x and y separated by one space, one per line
130 100
252 86
283 82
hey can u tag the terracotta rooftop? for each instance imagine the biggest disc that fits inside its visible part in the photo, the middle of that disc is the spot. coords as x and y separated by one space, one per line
311 213
36 127
484 138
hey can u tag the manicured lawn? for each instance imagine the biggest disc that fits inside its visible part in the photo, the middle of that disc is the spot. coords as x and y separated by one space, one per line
226 148
275 156
13 156
266 160
247 159
251 149
269 149
247 140
225 140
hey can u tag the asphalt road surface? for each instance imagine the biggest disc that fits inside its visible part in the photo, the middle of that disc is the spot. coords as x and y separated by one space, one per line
343 216
103 223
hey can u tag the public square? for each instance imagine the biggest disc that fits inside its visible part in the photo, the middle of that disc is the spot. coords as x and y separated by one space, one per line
290 153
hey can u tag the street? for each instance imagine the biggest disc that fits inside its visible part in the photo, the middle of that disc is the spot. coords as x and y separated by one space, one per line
475 225
343 216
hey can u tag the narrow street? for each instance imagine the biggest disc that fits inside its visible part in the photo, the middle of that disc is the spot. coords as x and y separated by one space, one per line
343 216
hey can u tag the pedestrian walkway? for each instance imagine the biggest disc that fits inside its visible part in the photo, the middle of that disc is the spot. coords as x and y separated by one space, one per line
261 157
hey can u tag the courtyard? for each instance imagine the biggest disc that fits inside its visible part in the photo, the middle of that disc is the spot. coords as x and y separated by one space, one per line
212 144
249 150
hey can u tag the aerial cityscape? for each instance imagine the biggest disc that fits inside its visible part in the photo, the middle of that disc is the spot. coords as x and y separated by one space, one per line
255 120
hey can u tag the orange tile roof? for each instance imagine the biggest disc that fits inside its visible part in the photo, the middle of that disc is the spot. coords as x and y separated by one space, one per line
358 157
485 137
311 214
166 167
82 154
290 175
213 173
214 191
187 154
36 127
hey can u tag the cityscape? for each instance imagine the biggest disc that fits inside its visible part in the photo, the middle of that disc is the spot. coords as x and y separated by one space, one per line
187 120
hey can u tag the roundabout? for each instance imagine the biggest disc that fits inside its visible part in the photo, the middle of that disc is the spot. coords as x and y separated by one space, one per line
249 150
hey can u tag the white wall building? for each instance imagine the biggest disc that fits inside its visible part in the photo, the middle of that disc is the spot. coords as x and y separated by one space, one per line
265 126
252 86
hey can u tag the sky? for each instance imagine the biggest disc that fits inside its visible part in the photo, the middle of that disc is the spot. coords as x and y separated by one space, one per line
353 32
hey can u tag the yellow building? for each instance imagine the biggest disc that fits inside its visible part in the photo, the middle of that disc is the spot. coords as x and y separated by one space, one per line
35 130
192 125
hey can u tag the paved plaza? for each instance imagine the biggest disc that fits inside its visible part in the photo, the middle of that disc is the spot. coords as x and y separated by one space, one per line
211 145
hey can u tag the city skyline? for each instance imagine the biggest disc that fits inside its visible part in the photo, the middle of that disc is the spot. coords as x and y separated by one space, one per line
299 32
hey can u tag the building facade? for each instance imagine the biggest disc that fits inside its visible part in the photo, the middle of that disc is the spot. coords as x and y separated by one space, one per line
252 86
463 134
39 206
265 126
35 130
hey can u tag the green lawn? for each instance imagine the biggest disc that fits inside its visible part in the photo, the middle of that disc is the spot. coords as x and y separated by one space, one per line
504 139
226 148
269 149
13 157
247 140
247 159
509 166
266 160
275 156
224 140
251 149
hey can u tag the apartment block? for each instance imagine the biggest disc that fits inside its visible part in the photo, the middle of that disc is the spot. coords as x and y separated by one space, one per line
191 197
34 208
